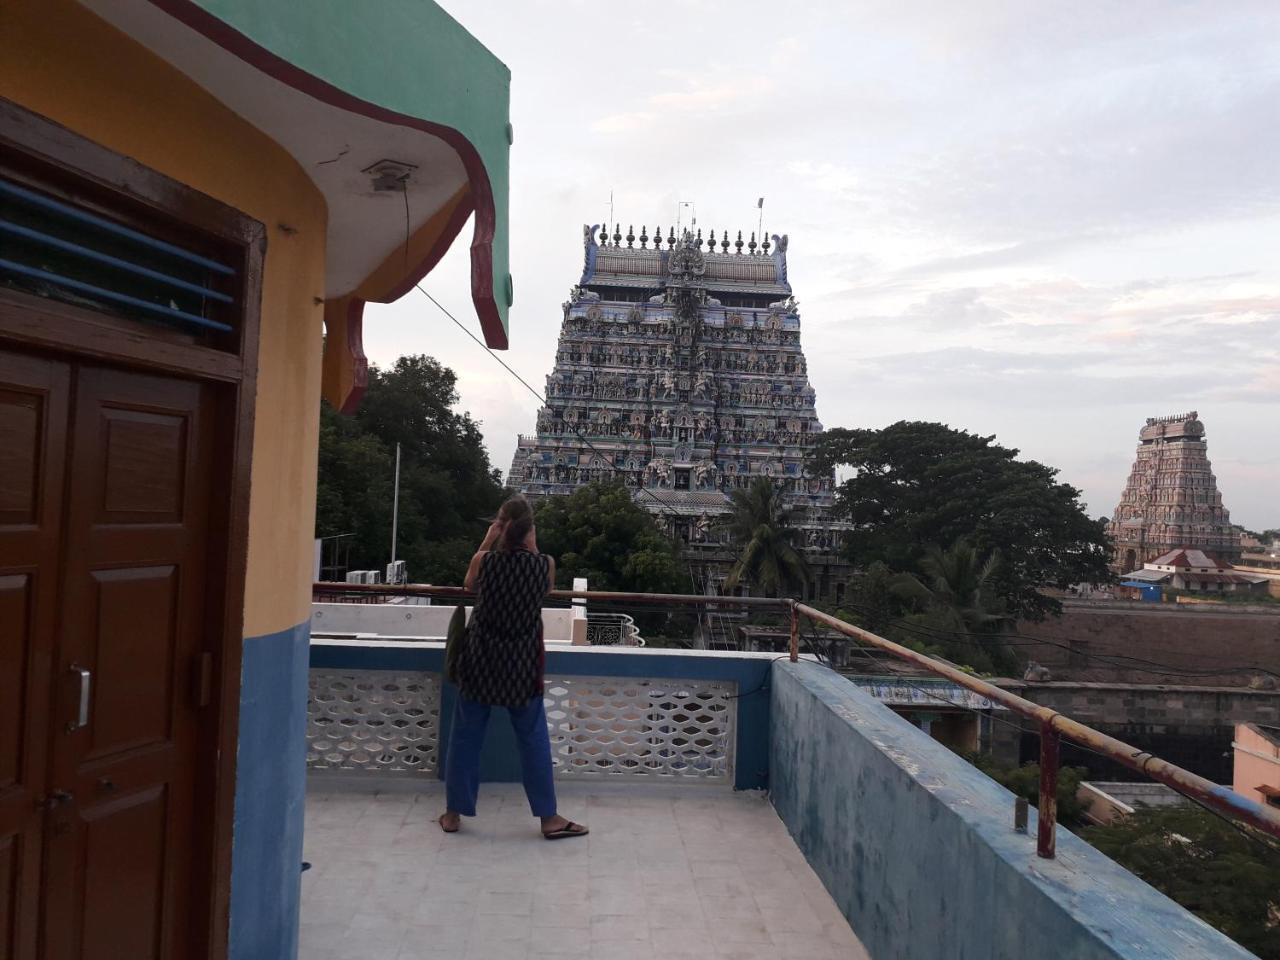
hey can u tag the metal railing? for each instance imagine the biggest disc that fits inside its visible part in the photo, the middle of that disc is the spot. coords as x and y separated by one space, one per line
613 629
1054 726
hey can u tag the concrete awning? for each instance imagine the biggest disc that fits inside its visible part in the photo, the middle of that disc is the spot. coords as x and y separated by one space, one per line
346 88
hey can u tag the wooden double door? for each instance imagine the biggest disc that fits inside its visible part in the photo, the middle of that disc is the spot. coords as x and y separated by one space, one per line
106 478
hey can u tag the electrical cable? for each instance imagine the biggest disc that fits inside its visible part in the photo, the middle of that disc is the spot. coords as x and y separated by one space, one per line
1244 831
1108 659
539 397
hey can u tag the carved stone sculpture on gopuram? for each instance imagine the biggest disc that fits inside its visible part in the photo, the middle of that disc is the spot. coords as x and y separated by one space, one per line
1171 499
679 372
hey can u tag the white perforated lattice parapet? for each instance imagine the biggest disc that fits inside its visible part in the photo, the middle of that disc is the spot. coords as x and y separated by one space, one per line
615 727
379 721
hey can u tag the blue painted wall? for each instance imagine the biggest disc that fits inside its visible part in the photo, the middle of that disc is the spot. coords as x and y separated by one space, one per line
266 851
499 762
918 849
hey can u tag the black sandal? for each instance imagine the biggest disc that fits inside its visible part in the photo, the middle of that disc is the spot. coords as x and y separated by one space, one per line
570 829
440 820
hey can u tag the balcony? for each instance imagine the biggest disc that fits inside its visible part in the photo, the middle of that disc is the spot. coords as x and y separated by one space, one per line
741 805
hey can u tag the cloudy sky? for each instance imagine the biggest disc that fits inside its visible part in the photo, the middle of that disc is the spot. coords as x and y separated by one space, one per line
1043 221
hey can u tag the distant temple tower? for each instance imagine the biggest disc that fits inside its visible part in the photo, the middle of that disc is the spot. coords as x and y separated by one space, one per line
1172 498
679 372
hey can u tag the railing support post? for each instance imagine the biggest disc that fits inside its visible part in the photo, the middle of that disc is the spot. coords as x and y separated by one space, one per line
1048 810
795 634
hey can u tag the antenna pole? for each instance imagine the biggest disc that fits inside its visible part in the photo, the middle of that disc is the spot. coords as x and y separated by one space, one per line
395 506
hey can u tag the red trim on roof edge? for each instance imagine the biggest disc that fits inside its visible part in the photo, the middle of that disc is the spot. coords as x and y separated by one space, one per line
359 362
482 280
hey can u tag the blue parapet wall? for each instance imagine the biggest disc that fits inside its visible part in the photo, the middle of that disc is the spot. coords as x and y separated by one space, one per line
499 763
917 847
266 843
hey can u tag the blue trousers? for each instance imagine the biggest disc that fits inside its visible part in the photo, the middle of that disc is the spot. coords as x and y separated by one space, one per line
462 760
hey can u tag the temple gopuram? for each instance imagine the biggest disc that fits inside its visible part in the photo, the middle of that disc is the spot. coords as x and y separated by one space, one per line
1171 500
679 372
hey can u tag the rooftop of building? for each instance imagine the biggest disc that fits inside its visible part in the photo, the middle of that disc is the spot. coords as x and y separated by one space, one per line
666 872
873 839
1182 426
1189 557
730 265
1265 730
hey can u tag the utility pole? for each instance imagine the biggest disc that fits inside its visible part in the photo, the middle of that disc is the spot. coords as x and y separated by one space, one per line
395 507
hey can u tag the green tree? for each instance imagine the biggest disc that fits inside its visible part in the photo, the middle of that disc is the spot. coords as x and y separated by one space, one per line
953 607
1227 878
599 532
1024 781
916 484
870 602
447 485
760 527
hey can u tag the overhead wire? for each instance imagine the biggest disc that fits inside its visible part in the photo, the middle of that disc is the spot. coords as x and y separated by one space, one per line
1035 731
1023 640
664 507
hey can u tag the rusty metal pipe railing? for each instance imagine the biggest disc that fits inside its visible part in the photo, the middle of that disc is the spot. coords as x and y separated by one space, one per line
601 596
1053 725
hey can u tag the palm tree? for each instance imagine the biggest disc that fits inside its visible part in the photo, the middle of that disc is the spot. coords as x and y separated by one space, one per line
760 526
956 581
953 597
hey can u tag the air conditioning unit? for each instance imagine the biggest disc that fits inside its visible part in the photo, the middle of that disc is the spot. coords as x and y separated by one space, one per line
396 572
355 576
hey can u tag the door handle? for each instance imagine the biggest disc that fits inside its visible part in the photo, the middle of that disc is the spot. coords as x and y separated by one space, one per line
82 710
57 798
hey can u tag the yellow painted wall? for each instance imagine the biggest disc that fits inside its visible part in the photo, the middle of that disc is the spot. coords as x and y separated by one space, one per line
64 63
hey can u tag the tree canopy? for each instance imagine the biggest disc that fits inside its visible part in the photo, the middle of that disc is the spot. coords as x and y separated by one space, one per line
600 533
918 485
446 482
1224 875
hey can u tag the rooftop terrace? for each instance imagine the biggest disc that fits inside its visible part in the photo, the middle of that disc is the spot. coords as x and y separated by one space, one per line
741 805
667 872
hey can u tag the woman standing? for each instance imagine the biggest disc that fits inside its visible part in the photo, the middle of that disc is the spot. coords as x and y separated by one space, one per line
501 666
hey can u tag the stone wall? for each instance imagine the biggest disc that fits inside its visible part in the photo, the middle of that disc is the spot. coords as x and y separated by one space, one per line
1106 642
1189 726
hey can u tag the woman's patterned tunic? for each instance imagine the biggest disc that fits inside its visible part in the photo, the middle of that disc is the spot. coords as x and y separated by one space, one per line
502 663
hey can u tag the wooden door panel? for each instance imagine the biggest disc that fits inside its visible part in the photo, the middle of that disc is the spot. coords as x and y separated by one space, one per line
21 414
33 436
123 893
15 649
131 659
10 883
134 587
145 468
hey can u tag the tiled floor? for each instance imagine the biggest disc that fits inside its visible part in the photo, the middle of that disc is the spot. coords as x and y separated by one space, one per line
666 874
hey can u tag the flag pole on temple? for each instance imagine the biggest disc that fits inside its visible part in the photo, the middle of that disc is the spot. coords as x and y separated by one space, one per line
760 223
